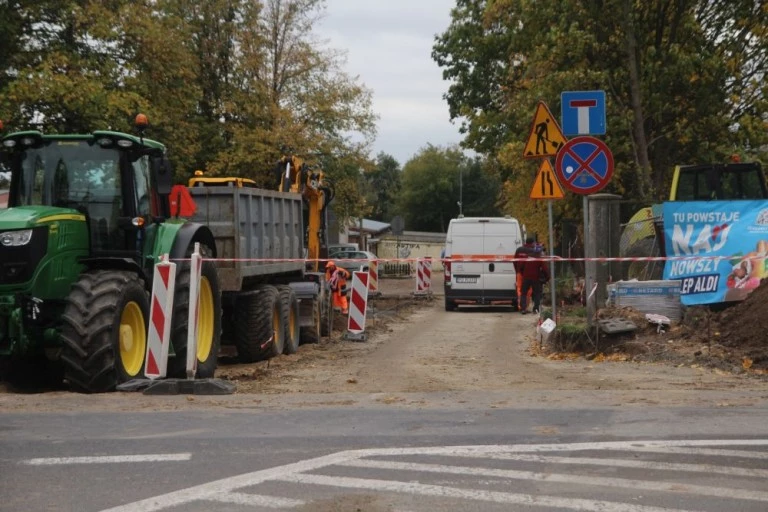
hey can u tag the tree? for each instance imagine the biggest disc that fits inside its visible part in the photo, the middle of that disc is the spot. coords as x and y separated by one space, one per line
431 189
228 85
684 79
383 186
475 60
299 100
678 75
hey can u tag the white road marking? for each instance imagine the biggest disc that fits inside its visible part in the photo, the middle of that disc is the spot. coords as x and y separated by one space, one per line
471 494
641 464
703 451
256 500
109 459
719 492
217 487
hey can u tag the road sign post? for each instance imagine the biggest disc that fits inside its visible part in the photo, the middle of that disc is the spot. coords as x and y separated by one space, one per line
546 186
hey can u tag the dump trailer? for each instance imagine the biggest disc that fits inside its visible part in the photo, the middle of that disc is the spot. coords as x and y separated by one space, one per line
270 302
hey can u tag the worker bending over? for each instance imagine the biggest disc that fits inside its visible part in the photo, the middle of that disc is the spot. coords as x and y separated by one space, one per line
337 278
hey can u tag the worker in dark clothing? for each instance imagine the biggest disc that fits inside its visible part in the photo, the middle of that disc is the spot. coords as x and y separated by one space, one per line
535 274
522 252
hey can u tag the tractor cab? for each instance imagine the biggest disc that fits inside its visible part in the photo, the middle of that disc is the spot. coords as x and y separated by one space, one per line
105 177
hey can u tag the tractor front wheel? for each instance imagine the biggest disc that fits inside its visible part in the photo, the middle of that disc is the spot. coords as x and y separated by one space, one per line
104 331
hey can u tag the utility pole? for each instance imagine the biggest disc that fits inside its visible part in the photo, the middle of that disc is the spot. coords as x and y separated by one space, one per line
461 194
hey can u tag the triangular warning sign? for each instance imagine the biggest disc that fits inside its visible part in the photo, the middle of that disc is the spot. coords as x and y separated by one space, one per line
546 186
546 137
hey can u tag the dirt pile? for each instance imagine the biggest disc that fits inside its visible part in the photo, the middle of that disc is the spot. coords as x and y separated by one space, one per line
732 339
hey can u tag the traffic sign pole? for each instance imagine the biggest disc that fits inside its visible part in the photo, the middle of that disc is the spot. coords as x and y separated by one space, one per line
552 263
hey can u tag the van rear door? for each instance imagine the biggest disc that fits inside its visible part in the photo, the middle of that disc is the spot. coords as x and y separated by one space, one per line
501 238
467 241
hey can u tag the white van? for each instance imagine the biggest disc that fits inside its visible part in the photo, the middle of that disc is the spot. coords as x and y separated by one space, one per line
472 276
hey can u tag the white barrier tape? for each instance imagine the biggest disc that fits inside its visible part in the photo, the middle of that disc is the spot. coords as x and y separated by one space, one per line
496 259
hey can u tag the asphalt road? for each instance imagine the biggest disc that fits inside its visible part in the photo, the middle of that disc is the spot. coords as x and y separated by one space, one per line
384 459
444 411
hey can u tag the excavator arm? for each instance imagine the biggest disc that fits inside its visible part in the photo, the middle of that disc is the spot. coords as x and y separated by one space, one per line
318 192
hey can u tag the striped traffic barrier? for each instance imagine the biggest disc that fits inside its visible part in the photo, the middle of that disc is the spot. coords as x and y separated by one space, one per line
195 272
158 337
373 278
161 306
423 276
357 307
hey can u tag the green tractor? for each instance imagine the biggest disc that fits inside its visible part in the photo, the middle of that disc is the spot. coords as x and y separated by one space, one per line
88 217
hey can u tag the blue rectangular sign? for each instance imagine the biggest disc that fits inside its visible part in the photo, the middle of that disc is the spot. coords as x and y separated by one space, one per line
582 112
730 239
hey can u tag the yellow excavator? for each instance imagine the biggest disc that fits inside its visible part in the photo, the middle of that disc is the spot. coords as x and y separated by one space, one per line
318 192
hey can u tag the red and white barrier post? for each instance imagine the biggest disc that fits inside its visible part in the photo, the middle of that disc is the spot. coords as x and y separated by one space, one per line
161 306
423 276
195 271
357 307
373 278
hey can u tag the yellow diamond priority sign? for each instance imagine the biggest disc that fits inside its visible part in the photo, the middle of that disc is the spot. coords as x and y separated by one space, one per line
546 186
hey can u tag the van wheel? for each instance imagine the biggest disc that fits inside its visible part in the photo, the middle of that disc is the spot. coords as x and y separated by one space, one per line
450 305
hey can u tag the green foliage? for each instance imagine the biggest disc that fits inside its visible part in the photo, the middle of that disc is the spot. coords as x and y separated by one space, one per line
684 82
431 189
228 85
382 187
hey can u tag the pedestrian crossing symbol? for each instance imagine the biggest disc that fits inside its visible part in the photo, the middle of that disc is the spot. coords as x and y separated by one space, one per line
546 137
546 186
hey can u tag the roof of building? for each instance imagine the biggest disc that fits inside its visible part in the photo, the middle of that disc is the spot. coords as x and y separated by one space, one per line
369 226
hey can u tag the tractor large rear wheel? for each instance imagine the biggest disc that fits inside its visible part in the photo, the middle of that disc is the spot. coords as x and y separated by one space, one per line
208 320
104 331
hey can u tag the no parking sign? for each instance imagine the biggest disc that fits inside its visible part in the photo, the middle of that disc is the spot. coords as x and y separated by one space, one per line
584 165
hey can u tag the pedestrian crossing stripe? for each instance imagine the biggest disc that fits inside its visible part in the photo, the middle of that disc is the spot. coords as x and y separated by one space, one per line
545 137
546 186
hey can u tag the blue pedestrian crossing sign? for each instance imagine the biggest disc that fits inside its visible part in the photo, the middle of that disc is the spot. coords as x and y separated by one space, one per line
583 112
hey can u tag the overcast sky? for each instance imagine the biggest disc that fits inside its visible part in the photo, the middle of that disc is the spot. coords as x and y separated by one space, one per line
389 46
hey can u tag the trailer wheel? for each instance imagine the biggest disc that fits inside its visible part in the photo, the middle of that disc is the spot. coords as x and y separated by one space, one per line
289 312
208 320
258 324
104 331
312 334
